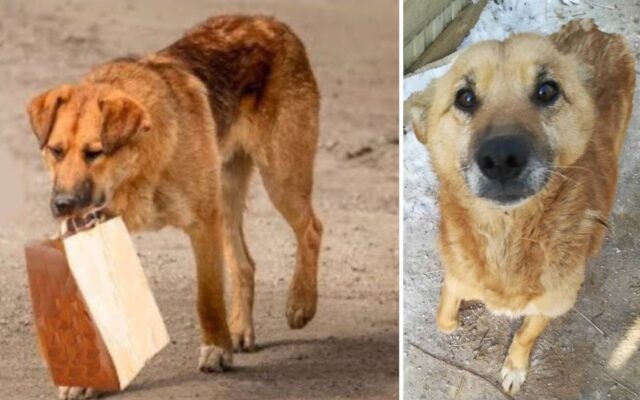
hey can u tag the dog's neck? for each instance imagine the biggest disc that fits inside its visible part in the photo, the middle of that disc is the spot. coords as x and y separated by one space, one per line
491 220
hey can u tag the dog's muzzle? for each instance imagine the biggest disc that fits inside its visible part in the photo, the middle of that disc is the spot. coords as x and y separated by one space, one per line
502 159
506 167
66 203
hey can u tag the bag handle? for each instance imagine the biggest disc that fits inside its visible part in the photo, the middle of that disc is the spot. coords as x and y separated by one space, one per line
73 225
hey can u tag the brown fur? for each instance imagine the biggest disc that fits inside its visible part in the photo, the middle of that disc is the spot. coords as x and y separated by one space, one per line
529 260
180 131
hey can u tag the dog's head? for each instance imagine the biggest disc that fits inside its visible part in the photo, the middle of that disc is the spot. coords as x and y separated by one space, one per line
505 118
84 132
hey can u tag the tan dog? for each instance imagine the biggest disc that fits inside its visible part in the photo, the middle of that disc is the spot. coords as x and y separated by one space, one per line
524 136
171 139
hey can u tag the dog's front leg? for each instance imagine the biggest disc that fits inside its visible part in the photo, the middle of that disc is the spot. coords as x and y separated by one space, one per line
514 370
206 239
447 315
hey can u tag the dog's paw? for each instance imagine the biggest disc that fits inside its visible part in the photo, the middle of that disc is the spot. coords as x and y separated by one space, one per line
243 341
214 359
512 377
299 313
76 393
301 307
447 326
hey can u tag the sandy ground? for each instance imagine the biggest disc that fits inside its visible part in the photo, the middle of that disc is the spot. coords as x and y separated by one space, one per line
570 359
350 350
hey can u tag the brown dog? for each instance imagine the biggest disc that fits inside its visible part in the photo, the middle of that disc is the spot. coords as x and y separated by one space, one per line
524 136
171 139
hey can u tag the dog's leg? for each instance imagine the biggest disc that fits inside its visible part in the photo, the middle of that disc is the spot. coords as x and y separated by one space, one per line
447 316
285 157
514 370
206 239
235 182
292 197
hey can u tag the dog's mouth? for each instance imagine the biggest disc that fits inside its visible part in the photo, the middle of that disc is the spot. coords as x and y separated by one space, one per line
89 211
85 221
512 192
78 209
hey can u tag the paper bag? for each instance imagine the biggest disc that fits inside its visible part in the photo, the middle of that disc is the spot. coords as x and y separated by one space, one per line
95 315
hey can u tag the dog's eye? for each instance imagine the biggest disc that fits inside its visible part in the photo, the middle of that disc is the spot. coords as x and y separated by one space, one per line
547 93
466 100
91 155
56 152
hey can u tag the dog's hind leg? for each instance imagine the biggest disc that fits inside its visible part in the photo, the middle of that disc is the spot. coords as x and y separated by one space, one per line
236 174
514 370
287 173
206 238
292 198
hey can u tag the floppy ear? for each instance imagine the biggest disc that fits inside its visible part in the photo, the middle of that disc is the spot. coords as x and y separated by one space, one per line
419 108
42 111
122 118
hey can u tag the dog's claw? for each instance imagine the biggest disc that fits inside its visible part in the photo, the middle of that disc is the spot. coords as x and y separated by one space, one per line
243 342
512 378
298 319
301 308
214 359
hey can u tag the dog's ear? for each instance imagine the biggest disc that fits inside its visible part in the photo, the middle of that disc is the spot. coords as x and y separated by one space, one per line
43 109
419 107
122 118
579 29
587 74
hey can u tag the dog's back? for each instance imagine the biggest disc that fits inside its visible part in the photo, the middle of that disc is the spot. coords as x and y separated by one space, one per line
240 57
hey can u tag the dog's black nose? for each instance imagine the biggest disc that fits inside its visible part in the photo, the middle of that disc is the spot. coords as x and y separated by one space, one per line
62 204
503 158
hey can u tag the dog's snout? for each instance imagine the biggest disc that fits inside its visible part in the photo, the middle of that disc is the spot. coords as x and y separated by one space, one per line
67 201
503 158
63 203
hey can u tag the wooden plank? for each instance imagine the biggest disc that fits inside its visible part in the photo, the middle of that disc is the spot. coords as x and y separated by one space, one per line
419 13
435 64
449 40
430 29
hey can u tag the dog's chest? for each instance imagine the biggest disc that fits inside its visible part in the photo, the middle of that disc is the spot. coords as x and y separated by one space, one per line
149 208
518 269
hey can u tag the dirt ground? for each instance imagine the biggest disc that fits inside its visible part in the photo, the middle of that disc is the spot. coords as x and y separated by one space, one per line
350 350
570 359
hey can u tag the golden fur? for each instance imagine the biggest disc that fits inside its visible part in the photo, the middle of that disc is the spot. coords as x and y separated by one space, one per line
529 260
171 139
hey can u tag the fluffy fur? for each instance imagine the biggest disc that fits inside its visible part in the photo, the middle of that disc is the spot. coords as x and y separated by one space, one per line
171 139
528 259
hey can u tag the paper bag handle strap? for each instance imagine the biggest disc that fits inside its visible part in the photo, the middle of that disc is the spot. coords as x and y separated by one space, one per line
73 225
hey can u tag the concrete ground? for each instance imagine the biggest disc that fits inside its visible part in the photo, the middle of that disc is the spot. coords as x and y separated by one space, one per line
570 359
350 350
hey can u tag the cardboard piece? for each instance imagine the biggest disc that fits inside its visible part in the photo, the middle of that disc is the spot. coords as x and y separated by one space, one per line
96 318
